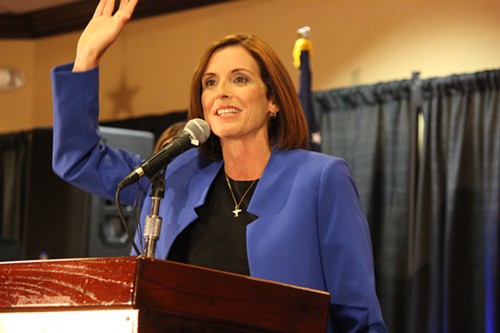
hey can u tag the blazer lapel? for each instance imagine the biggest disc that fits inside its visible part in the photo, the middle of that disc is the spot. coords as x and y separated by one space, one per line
198 188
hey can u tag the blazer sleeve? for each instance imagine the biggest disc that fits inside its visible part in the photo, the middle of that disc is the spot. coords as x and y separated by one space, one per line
346 252
78 154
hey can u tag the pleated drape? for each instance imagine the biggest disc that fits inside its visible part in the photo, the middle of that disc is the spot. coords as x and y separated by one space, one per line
437 266
370 127
13 154
454 282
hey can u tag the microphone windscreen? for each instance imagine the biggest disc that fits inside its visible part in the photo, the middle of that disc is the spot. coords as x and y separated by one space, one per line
198 129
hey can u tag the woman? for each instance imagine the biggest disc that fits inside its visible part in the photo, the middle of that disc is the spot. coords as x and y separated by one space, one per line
251 200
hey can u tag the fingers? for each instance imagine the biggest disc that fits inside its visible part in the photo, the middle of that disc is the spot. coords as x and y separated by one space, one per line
106 7
127 7
100 7
109 6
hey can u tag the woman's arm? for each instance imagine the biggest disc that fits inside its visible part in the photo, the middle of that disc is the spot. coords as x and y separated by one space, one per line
346 252
79 156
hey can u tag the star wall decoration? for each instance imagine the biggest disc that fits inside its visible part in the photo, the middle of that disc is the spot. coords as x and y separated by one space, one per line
122 98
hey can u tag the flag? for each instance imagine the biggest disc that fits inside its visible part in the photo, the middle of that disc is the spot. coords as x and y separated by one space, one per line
301 59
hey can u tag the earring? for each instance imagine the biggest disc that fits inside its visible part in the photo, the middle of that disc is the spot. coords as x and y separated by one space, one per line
272 115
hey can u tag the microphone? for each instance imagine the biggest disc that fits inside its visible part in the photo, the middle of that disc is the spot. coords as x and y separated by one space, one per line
195 133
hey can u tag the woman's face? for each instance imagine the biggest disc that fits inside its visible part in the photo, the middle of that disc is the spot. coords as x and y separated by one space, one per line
234 96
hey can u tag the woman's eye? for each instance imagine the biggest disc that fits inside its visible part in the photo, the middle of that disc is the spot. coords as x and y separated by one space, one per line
241 79
209 83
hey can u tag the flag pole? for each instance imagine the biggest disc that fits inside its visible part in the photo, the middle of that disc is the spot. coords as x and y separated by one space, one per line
301 55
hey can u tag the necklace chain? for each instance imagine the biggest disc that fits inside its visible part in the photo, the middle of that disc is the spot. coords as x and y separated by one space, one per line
237 204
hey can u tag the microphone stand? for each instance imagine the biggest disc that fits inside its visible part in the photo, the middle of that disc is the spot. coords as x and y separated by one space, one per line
152 223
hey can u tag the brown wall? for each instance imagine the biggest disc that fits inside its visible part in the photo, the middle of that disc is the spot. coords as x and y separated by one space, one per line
355 42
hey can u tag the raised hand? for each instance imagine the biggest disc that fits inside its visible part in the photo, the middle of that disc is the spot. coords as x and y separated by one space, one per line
101 32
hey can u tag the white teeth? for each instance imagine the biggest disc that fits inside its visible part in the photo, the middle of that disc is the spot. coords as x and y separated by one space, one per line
227 111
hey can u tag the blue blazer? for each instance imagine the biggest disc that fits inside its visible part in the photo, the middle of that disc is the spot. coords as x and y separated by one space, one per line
310 229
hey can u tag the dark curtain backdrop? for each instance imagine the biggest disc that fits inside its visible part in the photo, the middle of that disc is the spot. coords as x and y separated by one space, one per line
13 161
437 266
13 154
370 127
455 277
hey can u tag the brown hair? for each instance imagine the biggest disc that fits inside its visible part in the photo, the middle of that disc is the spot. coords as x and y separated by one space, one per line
289 129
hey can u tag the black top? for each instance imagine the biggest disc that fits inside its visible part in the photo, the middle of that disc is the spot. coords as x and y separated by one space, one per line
217 239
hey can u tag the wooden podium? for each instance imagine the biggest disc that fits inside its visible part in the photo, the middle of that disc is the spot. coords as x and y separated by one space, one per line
134 294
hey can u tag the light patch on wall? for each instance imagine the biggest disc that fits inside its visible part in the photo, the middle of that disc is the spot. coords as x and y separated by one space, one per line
11 78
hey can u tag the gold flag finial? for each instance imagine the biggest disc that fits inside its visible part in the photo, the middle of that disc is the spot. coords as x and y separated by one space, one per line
304 32
303 43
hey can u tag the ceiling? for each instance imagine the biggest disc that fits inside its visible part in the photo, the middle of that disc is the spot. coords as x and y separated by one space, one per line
41 18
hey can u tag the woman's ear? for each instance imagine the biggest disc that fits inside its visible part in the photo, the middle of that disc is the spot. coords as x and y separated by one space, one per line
273 107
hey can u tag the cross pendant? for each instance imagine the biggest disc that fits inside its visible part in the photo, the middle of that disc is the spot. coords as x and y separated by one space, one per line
237 211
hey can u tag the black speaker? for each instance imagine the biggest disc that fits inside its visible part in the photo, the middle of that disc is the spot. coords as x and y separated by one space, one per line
62 221
107 236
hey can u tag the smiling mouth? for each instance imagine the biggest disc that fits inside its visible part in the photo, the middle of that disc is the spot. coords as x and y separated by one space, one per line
222 112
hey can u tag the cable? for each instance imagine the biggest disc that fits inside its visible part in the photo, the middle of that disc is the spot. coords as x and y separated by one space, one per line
124 223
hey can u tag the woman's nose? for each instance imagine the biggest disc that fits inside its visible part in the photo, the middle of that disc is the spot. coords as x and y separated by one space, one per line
223 90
